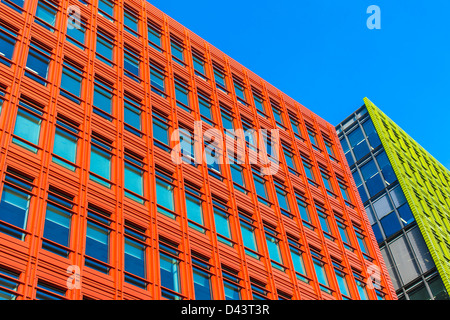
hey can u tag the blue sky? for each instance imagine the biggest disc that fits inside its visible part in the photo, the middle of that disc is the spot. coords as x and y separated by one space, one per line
322 54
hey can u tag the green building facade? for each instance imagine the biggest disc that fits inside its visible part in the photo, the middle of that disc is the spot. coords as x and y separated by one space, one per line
406 194
425 183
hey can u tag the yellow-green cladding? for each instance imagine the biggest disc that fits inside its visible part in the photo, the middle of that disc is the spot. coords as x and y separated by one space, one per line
425 183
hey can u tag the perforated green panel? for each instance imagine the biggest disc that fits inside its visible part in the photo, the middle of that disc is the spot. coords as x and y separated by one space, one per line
425 183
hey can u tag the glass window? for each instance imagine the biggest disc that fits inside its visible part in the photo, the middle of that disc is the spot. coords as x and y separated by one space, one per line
348 154
193 207
260 186
45 291
382 206
164 194
390 224
7 44
135 260
65 145
177 50
398 197
131 64
131 20
304 211
361 190
219 78
362 291
342 282
105 46
237 174
134 182
371 134
319 268
57 229
259 103
199 66
277 115
16 5
161 132
157 79
106 9
170 272
38 62
182 95
372 178
205 106
46 14
14 208
97 241
100 164
386 168
231 284
222 223
76 31
309 171
362 242
8 284
202 280
406 216
239 90
358 143
273 248
282 197
248 236
154 37
295 126
438 289
297 260
132 116
71 80
28 127
103 98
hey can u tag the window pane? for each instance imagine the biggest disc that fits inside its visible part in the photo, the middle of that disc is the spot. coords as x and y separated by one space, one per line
274 250
71 81
134 180
390 224
232 291
202 285
38 63
320 272
194 209
57 225
103 99
248 236
97 242
65 145
27 126
14 208
170 276
164 194
134 257
100 163
132 115
46 13
7 43
222 223
342 282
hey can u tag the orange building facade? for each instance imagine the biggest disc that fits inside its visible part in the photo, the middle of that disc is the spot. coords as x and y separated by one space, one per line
94 96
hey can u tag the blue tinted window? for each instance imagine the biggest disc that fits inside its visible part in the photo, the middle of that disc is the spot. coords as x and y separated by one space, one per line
14 208
232 291
358 143
134 181
194 209
76 31
371 134
319 268
248 236
377 232
164 194
130 20
38 61
27 127
406 215
273 248
177 51
386 168
65 146
372 178
57 229
104 48
71 79
100 163
202 284
170 273
134 257
390 224
7 44
14 4
132 114
46 13
107 7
